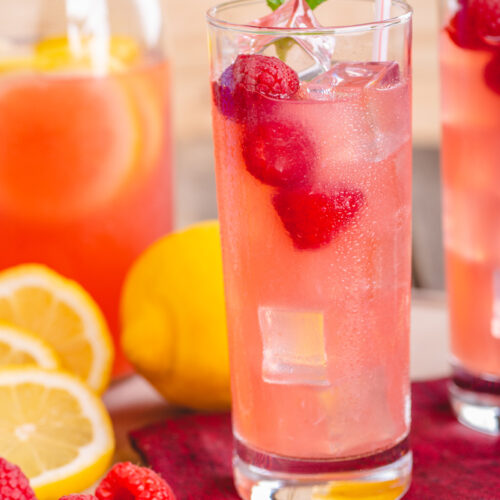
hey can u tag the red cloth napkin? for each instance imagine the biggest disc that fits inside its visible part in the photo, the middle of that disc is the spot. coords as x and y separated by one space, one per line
451 462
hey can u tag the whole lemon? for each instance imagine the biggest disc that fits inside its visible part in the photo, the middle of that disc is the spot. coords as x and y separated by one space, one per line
174 321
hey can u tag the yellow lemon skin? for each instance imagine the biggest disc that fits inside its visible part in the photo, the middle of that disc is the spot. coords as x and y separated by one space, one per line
80 482
174 321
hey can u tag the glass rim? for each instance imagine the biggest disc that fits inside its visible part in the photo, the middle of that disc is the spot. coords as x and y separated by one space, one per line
216 22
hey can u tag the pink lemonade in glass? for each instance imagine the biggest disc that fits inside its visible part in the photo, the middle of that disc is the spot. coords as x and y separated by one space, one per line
85 169
314 192
470 70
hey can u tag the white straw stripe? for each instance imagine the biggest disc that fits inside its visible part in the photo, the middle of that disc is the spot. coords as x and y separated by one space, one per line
380 46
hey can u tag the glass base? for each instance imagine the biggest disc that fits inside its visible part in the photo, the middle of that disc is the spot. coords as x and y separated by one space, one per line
476 401
260 476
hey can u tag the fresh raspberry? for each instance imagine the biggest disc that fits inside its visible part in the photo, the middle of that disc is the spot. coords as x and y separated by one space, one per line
476 25
492 73
79 497
313 219
242 85
223 94
486 18
278 153
14 485
265 75
126 481
462 29
240 105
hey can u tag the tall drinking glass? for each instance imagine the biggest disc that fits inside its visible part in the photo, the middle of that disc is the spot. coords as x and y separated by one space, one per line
313 161
470 88
85 169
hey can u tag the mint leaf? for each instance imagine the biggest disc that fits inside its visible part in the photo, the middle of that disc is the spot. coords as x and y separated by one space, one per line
314 3
285 44
274 4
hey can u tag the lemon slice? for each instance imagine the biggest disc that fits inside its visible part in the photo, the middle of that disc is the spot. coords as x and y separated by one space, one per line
17 63
55 429
54 54
62 313
90 134
57 54
18 347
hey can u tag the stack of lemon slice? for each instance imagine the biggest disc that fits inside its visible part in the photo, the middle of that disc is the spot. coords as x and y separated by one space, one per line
55 358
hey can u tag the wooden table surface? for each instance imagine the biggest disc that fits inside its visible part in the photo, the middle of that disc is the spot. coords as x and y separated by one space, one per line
189 54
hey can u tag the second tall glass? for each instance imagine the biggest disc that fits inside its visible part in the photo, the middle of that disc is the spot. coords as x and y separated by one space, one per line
313 160
470 79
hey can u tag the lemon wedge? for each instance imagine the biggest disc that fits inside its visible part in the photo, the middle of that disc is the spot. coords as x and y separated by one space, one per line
391 489
18 347
55 429
62 313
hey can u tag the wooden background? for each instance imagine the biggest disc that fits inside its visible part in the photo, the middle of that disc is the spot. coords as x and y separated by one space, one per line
195 185
186 34
188 50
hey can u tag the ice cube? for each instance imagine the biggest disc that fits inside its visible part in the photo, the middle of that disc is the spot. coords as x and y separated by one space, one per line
376 120
294 14
293 346
388 75
376 75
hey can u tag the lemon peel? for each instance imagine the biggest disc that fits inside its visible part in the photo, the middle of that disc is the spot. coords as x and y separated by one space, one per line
55 429
173 314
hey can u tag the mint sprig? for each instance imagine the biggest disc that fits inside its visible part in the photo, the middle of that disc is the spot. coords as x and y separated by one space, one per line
274 4
285 44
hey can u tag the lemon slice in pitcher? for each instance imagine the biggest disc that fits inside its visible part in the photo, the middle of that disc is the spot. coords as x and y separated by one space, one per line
71 141
57 54
54 54
69 145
